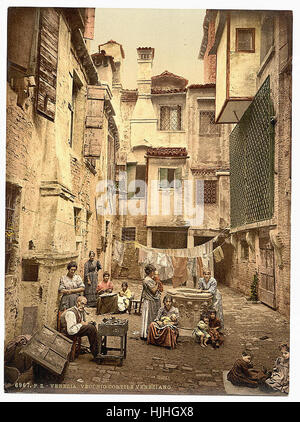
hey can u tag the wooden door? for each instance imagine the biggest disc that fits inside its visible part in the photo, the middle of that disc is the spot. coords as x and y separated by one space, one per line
266 285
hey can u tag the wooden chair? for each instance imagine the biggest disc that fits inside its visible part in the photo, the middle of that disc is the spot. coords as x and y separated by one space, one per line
135 305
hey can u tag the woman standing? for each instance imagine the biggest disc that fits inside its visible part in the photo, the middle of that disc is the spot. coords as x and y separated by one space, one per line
91 268
209 284
151 296
70 286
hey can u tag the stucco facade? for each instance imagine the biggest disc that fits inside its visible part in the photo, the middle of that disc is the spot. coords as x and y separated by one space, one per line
261 248
51 175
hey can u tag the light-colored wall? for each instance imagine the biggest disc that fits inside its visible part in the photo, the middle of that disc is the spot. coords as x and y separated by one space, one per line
243 66
53 177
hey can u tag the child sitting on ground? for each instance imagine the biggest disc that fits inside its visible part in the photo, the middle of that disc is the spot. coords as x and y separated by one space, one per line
279 377
242 373
201 331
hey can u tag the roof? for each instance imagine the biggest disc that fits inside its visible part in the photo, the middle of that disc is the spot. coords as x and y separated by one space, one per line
168 75
167 91
113 42
201 86
166 152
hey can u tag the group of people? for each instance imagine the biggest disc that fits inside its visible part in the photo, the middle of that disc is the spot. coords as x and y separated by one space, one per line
243 373
160 323
71 286
77 294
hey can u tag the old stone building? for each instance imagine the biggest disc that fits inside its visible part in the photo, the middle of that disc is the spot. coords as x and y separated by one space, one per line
61 141
175 156
253 55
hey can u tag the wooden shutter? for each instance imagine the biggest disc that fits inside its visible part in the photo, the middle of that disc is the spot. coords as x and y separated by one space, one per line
47 62
94 133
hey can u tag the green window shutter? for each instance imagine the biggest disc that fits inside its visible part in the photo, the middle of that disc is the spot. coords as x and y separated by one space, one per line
163 178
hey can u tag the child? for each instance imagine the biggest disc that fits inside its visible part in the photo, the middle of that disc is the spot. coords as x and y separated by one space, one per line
123 297
217 338
156 278
242 374
279 377
201 331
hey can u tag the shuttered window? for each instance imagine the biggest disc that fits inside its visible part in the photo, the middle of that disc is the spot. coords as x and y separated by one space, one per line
94 133
47 62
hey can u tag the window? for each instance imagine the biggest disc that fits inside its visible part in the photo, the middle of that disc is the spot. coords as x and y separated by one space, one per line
128 233
30 270
209 192
72 106
169 178
170 117
77 221
244 250
140 179
245 40
207 125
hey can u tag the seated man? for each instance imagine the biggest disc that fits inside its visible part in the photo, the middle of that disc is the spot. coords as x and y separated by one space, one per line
73 323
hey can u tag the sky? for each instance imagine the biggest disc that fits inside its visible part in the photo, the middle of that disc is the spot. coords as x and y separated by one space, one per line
175 34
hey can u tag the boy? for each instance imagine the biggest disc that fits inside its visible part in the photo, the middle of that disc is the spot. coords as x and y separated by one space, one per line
242 374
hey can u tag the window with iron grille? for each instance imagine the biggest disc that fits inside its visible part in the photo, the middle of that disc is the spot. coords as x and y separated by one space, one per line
170 117
207 125
207 194
245 40
128 233
12 196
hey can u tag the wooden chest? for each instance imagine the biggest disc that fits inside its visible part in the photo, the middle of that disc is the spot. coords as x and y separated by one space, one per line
50 349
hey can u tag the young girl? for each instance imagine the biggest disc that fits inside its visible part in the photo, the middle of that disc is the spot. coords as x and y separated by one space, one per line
201 331
123 297
279 378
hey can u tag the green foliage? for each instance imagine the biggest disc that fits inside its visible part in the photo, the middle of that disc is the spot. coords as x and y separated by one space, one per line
254 288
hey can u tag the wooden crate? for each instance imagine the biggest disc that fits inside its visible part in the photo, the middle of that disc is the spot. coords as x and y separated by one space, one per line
49 349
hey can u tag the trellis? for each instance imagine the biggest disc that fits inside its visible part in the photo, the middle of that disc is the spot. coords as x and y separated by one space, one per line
252 162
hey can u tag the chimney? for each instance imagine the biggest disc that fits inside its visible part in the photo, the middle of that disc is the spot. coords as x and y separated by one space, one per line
144 120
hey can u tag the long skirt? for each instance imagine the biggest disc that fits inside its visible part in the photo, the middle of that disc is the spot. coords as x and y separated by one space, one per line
107 305
218 306
165 337
90 289
149 311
